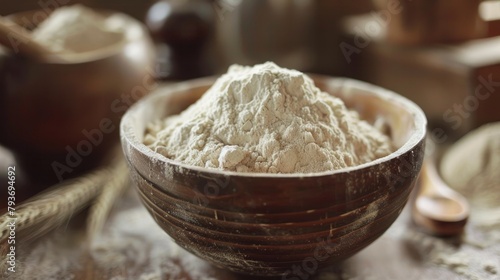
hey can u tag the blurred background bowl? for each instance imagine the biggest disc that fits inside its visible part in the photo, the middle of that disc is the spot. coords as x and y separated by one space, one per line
263 224
45 107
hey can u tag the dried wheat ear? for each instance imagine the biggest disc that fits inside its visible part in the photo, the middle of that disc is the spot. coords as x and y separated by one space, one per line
54 207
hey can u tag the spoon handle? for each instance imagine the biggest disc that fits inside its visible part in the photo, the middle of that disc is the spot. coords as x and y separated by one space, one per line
18 39
431 182
437 209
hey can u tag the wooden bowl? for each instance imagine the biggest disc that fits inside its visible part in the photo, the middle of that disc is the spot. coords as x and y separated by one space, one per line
66 115
264 224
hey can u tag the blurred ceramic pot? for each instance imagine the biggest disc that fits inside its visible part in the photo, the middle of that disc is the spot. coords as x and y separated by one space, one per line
59 119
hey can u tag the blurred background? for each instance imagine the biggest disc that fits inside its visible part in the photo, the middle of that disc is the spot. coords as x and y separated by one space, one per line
302 34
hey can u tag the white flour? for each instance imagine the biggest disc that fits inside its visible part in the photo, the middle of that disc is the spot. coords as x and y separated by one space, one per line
267 119
472 167
76 29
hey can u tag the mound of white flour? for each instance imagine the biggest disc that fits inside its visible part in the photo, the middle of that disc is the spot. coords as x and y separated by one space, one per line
77 29
267 119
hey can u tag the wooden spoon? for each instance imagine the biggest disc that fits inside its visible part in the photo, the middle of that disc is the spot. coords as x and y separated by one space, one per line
18 39
438 209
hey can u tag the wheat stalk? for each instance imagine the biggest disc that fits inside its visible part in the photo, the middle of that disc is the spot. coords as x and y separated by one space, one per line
55 206
102 205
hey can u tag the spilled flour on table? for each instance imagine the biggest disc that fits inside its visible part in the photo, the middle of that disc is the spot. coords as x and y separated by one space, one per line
131 246
457 255
124 241
54 258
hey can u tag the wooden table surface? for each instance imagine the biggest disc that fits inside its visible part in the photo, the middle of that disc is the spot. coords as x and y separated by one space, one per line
132 246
